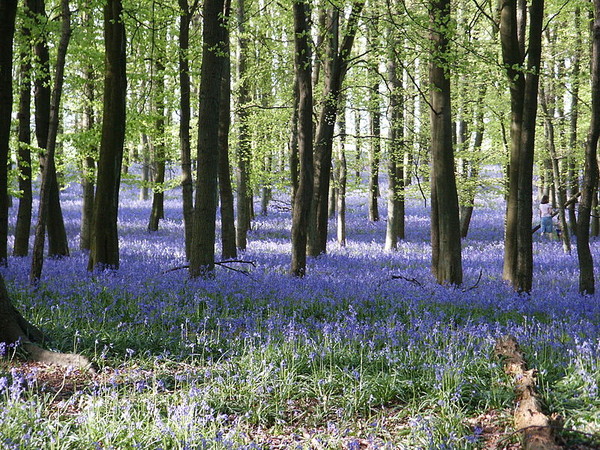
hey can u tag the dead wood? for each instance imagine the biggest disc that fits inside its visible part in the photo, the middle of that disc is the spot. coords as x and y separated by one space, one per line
529 419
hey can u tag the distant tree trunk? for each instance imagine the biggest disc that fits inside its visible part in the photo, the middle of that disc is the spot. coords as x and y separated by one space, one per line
147 178
590 174
358 144
104 252
572 179
23 226
158 193
395 220
374 152
547 99
244 195
304 102
202 259
265 191
518 254
337 65
445 224
49 174
88 176
293 144
8 11
342 171
187 183
228 247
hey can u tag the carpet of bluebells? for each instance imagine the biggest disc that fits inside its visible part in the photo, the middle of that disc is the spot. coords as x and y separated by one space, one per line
367 351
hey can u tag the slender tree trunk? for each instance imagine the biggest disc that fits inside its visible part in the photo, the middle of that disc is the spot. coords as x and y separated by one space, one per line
23 227
374 152
302 199
445 224
337 66
88 176
184 123
590 176
228 247
8 11
49 173
342 171
244 195
572 178
158 194
202 259
395 220
294 156
104 252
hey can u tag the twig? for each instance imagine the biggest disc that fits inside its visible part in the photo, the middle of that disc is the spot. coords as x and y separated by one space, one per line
476 283
410 280
221 264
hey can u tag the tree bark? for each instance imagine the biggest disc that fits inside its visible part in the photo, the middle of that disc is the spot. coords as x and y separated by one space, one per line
228 247
24 214
302 199
445 224
49 174
159 155
8 11
337 63
202 260
572 179
374 151
342 171
187 184
244 154
590 173
88 176
104 252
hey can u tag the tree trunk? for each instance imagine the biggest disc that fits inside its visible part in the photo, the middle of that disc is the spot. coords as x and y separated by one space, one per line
304 102
158 192
590 174
187 184
104 252
228 247
244 196
445 224
518 252
572 181
88 176
23 227
395 220
47 190
342 171
337 65
374 152
8 11
202 260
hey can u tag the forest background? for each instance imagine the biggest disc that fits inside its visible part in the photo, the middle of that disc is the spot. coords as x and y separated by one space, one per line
380 76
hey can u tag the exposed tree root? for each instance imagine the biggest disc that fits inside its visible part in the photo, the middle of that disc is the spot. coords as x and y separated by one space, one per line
528 416
15 329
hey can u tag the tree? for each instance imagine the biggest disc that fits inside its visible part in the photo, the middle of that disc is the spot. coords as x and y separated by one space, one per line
202 259
304 102
523 81
47 190
104 252
445 224
336 67
590 177
8 10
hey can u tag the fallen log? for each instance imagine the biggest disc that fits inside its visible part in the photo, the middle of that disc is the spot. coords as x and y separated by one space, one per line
529 419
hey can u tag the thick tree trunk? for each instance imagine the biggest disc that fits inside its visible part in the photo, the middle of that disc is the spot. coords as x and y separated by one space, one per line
323 143
228 247
105 239
47 191
304 102
244 195
23 226
590 177
202 259
8 11
445 224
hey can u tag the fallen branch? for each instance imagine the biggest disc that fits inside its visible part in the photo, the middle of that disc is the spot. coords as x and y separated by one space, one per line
476 283
221 264
528 416
410 280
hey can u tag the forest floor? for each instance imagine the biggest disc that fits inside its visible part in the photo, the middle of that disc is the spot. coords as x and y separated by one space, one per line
366 352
